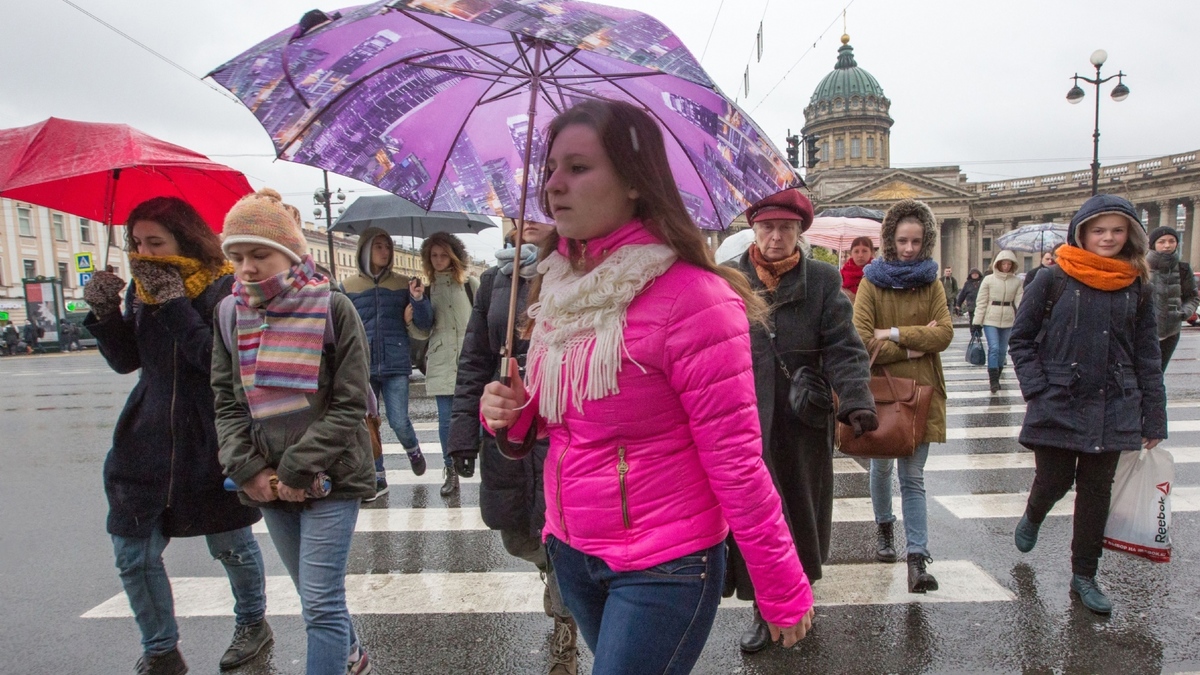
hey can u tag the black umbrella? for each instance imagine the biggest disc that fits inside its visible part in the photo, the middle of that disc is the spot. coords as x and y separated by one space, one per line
401 218
851 212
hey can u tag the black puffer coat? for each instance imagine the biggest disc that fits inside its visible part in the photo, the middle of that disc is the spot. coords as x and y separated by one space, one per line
510 492
1094 382
163 461
814 326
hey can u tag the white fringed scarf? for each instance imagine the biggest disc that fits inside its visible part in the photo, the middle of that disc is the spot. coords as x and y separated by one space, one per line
579 324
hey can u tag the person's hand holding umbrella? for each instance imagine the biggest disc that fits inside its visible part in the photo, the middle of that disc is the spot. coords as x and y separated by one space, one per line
103 293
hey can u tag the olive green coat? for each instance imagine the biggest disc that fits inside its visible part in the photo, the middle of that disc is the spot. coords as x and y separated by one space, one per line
909 310
451 312
330 436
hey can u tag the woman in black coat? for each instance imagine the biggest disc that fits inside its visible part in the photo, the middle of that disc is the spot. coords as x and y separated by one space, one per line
967 295
162 476
511 498
814 330
1090 371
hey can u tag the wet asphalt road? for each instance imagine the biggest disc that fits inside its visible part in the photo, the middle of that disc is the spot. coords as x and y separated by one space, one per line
1011 611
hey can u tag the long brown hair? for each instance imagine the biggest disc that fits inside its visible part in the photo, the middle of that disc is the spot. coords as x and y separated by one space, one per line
634 144
195 238
453 247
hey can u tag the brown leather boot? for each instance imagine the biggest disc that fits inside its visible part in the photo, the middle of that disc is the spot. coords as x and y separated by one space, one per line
564 650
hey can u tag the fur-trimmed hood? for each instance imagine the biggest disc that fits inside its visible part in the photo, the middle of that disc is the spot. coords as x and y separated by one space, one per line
903 210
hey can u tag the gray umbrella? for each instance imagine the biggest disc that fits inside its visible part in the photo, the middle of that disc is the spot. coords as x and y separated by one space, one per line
852 212
401 218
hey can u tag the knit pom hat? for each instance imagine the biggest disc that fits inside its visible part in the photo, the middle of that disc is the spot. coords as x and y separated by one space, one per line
262 218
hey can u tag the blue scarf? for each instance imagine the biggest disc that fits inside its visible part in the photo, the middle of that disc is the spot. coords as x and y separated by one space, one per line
529 254
900 274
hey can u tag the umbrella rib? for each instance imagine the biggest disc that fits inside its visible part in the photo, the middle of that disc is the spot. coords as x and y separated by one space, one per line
463 44
446 162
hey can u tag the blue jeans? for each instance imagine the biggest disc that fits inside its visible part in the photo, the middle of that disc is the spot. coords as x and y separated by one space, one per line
149 590
912 497
314 545
392 391
650 621
445 405
997 345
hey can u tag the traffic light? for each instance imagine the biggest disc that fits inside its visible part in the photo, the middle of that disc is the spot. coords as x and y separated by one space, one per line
811 151
793 150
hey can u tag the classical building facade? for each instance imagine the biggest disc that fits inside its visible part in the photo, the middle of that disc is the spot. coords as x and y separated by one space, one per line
851 116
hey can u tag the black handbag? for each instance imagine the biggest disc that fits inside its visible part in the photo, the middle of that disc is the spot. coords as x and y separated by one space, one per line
976 355
809 395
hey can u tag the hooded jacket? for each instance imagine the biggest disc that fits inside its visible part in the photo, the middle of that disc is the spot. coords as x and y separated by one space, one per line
970 290
909 310
1091 371
999 295
381 300
1174 287
674 461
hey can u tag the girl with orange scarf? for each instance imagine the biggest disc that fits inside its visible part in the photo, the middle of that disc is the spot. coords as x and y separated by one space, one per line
1089 366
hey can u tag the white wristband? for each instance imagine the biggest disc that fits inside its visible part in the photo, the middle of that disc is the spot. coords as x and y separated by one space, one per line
895 336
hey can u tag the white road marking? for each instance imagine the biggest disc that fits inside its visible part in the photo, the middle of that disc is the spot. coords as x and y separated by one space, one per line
1013 505
521 592
441 519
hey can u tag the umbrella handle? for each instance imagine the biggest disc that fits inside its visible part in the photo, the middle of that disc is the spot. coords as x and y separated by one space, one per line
517 452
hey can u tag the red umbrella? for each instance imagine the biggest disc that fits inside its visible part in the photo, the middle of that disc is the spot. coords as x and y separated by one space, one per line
102 171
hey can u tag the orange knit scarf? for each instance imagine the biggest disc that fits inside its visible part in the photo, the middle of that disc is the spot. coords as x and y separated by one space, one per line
1095 271
770 272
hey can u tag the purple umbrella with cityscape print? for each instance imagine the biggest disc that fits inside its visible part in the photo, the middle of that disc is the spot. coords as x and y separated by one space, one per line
432 100
438 101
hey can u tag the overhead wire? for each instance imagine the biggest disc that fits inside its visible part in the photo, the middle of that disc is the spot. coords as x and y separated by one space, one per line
841 15
156 54
711 31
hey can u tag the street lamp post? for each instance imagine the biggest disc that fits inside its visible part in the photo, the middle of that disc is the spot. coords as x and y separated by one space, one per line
323 198
1076 94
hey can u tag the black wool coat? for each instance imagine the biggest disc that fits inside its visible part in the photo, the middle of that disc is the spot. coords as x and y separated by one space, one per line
163 461
813 325
510 492
1094 381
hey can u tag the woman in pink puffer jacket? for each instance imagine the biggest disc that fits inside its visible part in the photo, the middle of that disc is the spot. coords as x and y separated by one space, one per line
639 371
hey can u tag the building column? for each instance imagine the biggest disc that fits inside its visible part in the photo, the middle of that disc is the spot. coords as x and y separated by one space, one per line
937 244
1192 225
963 254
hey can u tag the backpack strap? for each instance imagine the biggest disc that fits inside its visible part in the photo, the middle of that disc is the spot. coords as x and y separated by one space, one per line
1058 284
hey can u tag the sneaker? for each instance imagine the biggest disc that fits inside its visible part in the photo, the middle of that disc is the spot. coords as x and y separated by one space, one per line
248 642
170 663
381 486
417 461
359 663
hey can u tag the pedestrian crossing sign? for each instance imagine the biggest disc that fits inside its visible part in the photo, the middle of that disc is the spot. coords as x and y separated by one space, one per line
83 263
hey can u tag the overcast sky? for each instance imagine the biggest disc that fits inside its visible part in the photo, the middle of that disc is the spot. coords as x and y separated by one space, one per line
980 84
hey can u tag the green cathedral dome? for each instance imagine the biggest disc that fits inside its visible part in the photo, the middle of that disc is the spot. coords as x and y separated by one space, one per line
847 79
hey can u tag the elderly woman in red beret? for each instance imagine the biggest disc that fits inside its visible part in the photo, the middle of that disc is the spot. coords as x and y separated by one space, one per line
812 338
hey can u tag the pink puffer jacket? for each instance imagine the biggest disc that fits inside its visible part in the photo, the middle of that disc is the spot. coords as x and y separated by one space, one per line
669 465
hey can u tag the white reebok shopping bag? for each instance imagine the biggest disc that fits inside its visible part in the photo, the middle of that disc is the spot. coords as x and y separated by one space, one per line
1139 517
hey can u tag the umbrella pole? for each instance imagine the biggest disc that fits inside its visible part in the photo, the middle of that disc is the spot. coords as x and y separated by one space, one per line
109 207
502 442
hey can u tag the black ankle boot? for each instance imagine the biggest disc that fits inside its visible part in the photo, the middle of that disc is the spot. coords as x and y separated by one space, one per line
994 378
450 486
885 542
919 580
756 636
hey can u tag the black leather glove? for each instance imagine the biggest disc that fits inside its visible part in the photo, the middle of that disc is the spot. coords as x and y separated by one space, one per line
464 466
862 421
103 293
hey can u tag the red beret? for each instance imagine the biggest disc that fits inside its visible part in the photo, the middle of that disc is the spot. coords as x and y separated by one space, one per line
787 205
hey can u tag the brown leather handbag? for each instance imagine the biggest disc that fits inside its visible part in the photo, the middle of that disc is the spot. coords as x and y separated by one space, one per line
902 406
